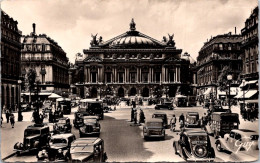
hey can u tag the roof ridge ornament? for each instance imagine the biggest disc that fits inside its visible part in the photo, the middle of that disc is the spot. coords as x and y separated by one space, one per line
132 25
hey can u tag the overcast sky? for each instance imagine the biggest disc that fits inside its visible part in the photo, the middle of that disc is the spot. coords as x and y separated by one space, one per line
71 22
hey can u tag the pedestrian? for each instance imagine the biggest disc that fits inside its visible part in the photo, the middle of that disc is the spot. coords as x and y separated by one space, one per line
132 115
1 120
7 115
203 121
41 118
50 117
173 122
12 120
142 117
135 116
181 118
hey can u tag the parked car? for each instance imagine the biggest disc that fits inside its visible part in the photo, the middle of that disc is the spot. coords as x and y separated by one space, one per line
35 138
25 107
163 116
192 120
242 141
91 126
181 101
59 143
62 126
164 105
223 122
88 150
194 145
64 104
154 128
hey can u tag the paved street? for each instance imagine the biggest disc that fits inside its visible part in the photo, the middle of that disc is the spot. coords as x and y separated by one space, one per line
123 140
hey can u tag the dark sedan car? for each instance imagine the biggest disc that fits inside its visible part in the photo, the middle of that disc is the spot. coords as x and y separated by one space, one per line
165 105
91 126
62 126
194 145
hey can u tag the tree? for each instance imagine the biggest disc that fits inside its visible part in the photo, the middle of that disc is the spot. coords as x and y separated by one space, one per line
222 79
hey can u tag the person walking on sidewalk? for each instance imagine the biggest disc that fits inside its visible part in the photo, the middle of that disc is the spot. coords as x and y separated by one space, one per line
12 120
7 115
132 114
135 116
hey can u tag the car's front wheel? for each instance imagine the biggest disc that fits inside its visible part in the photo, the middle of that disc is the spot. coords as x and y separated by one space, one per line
219 147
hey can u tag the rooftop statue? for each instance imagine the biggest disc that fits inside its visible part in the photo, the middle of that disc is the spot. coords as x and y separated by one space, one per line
132 25
171 41
94 41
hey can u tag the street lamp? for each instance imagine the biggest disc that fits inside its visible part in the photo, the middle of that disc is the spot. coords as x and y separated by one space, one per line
229 78
243 81
20 116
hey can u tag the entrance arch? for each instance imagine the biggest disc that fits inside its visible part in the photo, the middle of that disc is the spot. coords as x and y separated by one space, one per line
94 92
132 91
121 92
157 92
81 92
146 92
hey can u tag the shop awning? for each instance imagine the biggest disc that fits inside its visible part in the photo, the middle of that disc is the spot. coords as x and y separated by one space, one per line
54 95
248 82
250 93
40 94
239 95
207 92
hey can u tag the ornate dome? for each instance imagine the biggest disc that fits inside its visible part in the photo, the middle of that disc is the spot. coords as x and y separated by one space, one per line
132 39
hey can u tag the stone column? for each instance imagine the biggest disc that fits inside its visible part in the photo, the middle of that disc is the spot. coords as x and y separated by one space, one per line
5 98
175 76
137 74
116 75
140 74
149 75
162 74
125 76
179 74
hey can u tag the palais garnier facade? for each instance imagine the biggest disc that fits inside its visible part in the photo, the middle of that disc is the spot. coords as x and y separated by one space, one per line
132 64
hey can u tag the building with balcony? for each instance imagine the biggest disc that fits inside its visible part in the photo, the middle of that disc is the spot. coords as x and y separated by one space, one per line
47 58
132 64
218 57
250 57
10 61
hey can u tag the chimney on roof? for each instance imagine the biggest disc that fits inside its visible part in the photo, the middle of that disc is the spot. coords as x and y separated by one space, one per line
33 28
235 30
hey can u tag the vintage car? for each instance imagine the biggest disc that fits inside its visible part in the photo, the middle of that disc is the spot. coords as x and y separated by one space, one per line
35 138
25 107
91 126
192 120
239 141
154 128
62 126
163 116
64 104
164 105
90 107
59 143
181 101
194 145
223 122
88 150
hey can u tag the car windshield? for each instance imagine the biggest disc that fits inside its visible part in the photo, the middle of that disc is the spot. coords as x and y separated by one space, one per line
81 149
62 121
198 138
89 120
30 132
57 141
154 124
